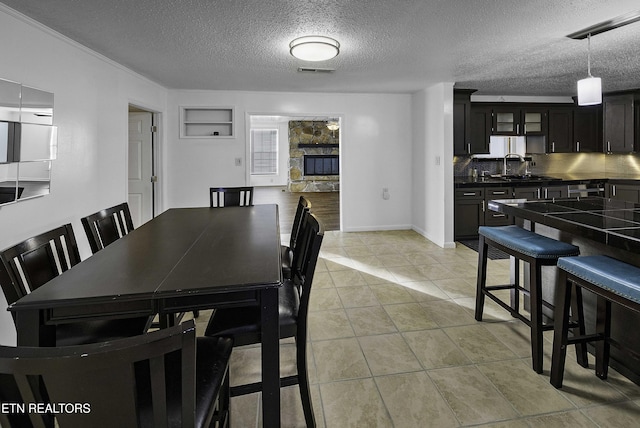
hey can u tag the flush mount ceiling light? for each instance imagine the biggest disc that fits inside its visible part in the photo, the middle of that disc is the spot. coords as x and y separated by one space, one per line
590 88
314 48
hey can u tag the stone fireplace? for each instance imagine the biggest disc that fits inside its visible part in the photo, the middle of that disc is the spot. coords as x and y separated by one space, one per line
314 164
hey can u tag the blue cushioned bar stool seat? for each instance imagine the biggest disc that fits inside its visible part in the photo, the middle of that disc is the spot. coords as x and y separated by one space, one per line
538 251
612 281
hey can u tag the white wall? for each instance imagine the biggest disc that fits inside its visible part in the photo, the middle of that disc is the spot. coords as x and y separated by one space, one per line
91 102
375 150
432 123
91 99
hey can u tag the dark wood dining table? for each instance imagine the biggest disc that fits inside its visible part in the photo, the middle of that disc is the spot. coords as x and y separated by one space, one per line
183 260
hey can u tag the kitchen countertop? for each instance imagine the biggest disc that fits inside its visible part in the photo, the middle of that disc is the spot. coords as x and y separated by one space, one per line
611 222
552 179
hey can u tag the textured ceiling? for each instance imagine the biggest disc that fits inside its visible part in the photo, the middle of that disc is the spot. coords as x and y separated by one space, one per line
501 47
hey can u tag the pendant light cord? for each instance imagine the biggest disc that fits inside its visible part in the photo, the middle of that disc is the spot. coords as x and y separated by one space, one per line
589 55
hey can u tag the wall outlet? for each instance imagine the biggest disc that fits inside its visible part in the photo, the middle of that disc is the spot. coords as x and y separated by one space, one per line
385 193
238 161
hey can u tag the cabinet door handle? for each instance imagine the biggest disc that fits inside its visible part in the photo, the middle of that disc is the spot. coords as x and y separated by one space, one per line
499 215
469 148
483 210
608 146
546 193
614 190
577 146
538 193
518 129
553 147
495 192
469 194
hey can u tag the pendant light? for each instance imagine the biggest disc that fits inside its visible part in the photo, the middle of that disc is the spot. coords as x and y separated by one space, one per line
590 88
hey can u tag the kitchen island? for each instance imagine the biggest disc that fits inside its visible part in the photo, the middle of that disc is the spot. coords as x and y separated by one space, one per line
598 226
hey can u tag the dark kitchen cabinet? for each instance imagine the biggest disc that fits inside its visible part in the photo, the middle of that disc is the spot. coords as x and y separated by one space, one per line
554 192
624 192
471 126
618 123
480 128
560 131
587 129
528 193
519 120
469 212
541 192
534 121
506 120
461 122
494 218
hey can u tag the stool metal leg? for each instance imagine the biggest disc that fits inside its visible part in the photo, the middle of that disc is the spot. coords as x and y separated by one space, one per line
482 277
560 329
536 317
603 328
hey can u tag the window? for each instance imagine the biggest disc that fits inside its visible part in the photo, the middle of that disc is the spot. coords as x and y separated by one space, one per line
264 152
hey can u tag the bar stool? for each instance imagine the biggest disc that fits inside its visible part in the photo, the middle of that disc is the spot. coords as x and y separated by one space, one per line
612 281
538 251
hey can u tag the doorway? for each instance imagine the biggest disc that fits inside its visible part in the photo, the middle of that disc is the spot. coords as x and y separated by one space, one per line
141 164
280 148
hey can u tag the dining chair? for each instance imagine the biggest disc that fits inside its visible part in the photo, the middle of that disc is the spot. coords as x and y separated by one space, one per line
107 226
37 260
166 378
287 251
230 197
243 323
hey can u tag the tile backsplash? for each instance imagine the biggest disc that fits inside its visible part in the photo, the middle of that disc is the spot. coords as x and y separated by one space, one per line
598 164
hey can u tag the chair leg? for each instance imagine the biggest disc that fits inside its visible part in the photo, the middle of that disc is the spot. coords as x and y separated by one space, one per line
560 329
482 277
514 293
577 311
303 381
536 316
603 328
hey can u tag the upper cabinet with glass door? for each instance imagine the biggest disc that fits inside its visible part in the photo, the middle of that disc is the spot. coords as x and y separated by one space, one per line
515 120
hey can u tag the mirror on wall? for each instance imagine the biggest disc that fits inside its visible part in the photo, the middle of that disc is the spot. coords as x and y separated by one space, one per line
36 106
10 101
8 183
34 179
28 142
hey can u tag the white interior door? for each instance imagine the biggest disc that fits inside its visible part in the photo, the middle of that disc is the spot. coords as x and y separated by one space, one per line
140 168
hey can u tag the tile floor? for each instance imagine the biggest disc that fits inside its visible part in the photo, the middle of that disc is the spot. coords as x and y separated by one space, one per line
393 343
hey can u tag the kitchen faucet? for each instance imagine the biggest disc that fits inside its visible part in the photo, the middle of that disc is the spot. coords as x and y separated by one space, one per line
507 156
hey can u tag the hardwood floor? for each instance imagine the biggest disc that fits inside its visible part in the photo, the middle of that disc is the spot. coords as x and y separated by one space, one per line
326 205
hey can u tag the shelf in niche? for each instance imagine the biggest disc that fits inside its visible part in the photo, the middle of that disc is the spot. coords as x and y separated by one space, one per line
206 122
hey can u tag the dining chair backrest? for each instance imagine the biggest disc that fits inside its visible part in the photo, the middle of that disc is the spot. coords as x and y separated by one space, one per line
303 205
305 258
230 197
107 226
39 259
9 287
120 383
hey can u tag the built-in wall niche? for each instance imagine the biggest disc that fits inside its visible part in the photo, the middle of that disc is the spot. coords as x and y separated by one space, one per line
206 122
28 142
